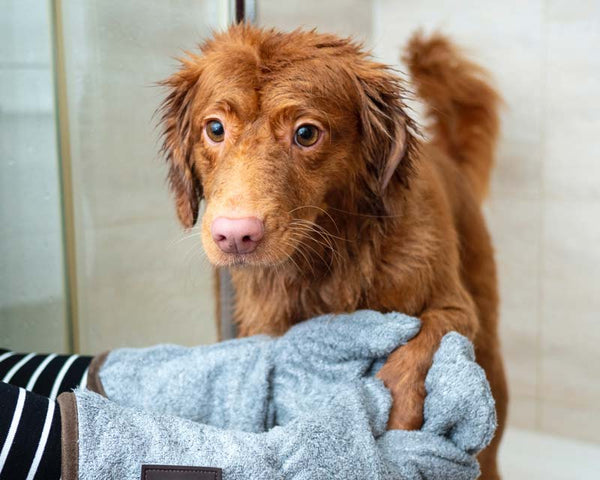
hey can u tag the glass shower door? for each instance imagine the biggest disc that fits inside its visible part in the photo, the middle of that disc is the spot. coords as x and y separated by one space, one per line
138 280
32 284
110 233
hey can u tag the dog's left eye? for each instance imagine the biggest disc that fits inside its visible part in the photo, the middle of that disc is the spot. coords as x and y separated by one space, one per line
306 135
215 131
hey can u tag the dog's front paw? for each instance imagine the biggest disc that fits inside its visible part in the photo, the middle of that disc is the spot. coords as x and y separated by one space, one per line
404 375
407 407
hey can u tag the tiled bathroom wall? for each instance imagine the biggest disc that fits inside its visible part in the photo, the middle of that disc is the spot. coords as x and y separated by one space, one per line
344 17
544 207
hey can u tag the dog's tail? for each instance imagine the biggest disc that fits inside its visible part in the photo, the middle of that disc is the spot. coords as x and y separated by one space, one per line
461 102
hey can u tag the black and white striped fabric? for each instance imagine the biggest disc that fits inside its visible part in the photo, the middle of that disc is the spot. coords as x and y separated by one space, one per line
47 375
30 447
29 415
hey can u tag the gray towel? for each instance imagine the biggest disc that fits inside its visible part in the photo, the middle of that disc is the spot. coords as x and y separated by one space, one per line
323 414
241 384
225 385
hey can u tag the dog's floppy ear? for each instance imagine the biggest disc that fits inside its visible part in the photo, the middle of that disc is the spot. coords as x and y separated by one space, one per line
388 132
176 122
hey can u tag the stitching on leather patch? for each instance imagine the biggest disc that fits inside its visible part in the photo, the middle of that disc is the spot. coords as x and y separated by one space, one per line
176 472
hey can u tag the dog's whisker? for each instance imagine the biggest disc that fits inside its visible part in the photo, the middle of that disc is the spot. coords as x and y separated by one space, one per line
364 214
326 246
302 237
297 248
326 241
301 243
327 264
306 255
300 271
309 222
317 208
185 236
196 251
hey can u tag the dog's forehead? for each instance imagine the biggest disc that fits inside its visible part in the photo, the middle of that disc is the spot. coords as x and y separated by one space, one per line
255 81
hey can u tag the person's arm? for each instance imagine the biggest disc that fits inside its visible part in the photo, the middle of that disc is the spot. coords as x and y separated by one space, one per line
30 435
45 374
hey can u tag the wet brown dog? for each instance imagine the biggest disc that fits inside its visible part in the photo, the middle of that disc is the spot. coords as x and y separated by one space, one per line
320 197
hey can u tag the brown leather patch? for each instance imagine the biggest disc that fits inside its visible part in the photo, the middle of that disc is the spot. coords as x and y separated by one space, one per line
174 472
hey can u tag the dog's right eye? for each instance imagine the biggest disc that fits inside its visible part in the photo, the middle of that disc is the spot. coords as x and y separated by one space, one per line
306 135
215 131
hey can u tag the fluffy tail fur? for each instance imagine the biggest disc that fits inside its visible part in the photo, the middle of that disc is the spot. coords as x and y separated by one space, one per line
461 102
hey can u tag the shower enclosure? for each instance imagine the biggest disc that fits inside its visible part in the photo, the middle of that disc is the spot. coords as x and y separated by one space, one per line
91 256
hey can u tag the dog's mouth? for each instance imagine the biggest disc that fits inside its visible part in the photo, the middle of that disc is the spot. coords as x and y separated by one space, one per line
297 243
265 258
242 260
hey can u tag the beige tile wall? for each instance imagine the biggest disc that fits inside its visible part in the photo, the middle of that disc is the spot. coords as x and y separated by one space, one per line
344 17
544 208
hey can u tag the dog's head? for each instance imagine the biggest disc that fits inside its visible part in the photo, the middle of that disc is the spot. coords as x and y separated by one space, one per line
272 129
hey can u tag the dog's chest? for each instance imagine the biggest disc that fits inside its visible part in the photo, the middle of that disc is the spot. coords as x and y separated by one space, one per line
273 305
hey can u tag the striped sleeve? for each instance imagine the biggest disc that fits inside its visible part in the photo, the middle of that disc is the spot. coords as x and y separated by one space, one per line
30 435
45 374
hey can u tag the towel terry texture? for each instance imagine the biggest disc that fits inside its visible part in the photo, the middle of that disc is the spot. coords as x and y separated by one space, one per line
303 406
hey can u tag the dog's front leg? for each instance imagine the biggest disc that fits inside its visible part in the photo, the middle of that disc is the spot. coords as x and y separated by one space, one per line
406 368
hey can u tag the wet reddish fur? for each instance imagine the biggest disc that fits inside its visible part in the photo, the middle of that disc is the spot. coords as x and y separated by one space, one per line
417 244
